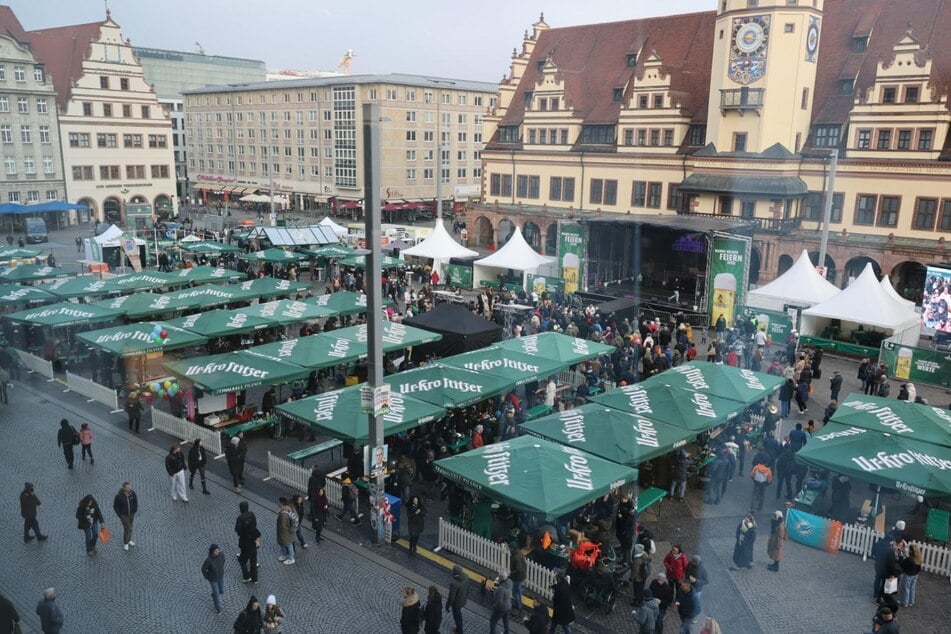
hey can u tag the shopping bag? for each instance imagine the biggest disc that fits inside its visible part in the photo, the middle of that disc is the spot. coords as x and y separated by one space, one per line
104 535
891 585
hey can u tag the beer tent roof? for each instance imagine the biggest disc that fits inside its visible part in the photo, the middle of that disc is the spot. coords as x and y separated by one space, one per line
535 475
614 435
447 387
286 311
553 345
210 247
141 281
331 251
512 366
205 274
899 418
214 295
134 339
744 386
233 371
315 351
221 323
360 262
83 286
696 411
64 314
267 287
395 336
140 305
33 272
13 294
8 253
337 414
275 256
345 302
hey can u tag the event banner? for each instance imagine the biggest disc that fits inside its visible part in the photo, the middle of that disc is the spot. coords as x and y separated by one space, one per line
459 276
918 365
571 255
776 324
542 283
726 285
812 530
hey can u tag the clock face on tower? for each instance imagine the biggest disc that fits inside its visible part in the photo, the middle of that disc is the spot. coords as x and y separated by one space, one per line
749 42
812 39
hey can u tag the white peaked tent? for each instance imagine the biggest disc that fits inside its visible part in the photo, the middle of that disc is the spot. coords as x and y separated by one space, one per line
439 246
337 229
515 254
800 285
864 303
890 290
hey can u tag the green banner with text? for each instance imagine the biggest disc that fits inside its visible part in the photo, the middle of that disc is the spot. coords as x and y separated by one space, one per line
542 283
460 276
571 255
918 365
776 324
727 277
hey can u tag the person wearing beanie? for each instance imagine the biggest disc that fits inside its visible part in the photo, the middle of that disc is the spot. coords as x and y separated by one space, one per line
213 570
29 504
67 437
249 538
647 615
233 458
458 595
273 615
640 571
663 591
777 539
126 505
250 620
85 440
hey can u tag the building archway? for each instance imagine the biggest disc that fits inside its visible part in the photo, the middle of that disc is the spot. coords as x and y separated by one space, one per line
505 230
785 263
755 264
908 278
163 203
89 202
533 235
855 266
551 239
829 264
112 210
482 235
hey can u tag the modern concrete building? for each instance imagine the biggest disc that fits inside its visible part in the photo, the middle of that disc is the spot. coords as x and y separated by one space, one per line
304 137
735 112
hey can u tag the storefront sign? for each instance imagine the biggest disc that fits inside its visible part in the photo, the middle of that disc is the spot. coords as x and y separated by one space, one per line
727 277
918 365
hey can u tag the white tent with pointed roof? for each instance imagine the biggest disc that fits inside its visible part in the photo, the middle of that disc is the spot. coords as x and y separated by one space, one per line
890 290
864 303
800 285
439 246
516 255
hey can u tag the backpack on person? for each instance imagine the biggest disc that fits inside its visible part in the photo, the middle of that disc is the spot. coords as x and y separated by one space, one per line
294 520
762 474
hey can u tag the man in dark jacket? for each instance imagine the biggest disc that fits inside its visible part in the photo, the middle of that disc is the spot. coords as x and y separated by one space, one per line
625 524
67 437
798 438
518 571
29 504
250 620
663 591
647 614
678 485
687 606
785 466
458 595
563 612
835 385
235 465
213 570
51 618
246 526
197 459
538 622
830 411
9 619
315 483
175 467
126 505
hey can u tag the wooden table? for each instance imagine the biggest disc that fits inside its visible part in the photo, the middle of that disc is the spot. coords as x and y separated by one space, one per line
251 425
307 452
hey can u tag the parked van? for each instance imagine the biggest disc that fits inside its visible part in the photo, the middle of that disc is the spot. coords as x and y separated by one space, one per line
35 230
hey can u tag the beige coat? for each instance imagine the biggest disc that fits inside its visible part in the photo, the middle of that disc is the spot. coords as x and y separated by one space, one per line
285 534
774 548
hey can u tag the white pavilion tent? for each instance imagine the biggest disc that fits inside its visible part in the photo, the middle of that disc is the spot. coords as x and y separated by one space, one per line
801 285
516 255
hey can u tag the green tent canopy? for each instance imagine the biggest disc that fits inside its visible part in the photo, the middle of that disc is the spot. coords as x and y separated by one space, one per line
221 323
139 305
286 311
337 414
736 384
269 287
395 336
14 294
211 295
315 351
535 475
233 371
16 253
330 251
206 274
345 302
508 364
553 345
360 262
210 247
135 339
623 438
696 411
141 281
83 286
447 387
64 314
899 418
888 460
274 256
32 272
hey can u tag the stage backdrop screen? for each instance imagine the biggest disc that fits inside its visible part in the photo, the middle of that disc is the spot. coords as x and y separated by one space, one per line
936 299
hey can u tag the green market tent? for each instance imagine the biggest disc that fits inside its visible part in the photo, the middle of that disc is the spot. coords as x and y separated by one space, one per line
696 411
623 438
535 475
144 280
140 305
32 272
345 302
360 261
274 255
395 336
268 287
510 365
210 247
337 414
330 251
14 294
233 371
286 311
135 339
447 387
553 345
213 295
898 418
221 323
736 384
206 274
11 253
888 460
64 314
315 351
77 287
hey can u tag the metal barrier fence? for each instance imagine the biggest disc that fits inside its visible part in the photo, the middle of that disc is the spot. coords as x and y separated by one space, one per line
93 391
185 430
286 472
36 364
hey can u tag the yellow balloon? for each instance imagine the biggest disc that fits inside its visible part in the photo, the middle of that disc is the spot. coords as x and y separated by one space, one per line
167 384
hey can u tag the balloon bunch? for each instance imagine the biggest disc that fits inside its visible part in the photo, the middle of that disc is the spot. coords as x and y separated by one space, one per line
159 335
167 389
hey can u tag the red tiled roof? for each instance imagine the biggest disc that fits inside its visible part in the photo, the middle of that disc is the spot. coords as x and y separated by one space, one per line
62 50
10 25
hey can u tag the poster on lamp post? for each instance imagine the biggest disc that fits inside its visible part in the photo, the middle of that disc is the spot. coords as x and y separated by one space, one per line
726 281
571 255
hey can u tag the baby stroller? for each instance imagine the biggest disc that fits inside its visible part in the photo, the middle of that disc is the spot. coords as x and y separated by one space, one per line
600 588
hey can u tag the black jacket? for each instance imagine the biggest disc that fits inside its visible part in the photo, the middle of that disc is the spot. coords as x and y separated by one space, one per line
66 436
213 567
125 505
315 483
196 458
246 526
174 462
433 615
539 621
250 621
82 517
232 455
8 615
28 504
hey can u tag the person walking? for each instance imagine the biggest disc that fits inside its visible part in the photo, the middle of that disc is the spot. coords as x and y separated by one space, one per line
29 504
85 441
273 614
416 521
175 467
249 539
297 504
287 522
835 385
432 614
663 592
681 472
67 437
518 572
786 393
539 621
501 602
133 409
51 617
242 456
761 475
9 618
250 620
126 505
745 539
89 519
785 467
458 595
696 574
233 458
213 570
410 614
348 495
197 459
777 539
563 612
688 609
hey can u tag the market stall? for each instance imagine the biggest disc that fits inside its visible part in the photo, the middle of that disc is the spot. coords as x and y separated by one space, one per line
286 311
801 285
359 261
142 305
461 330
85 286
715 379
142 346
395 336
323 350
654 399
273 256
447 387
141 281
211 295
509 365
16 295
221 323
206 274
345 302
900 418
272 287
553 345
516 255
32 273
210 247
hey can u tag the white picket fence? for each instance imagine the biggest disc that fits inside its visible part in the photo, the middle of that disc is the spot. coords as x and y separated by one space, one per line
185 430
286 472
36 364
94 391
861 539
334 491
570 377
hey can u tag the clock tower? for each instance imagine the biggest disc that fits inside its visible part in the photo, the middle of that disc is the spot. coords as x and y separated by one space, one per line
764 70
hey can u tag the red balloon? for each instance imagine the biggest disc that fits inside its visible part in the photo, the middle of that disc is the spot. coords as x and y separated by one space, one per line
164 334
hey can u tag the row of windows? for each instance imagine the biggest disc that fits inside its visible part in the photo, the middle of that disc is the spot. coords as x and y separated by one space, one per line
114 172
888 139
125 109
429 155
20 72
29 165
111 140
652 136
105 82
548 136
32 196
444 137
882 211
604 135
391 94
444 173
26 133
23 105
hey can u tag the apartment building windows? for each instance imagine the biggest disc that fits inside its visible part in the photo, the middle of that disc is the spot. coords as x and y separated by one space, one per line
48 165
133 141
160 171
109 172
29 165
925 211
106 140
104 82
527 186
23 105
925 140
41 106
863 139
904 140
561 188
76 139
884 140
82 173
26 135
865 210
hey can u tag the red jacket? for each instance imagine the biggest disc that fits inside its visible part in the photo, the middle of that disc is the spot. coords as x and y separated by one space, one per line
675 565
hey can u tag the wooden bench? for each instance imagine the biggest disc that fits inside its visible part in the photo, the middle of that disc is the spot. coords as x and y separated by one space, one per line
537 411
251 425
936 526
649 497
307 452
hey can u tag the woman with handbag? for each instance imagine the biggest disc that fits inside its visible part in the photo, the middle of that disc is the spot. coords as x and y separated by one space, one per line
89 519
273 615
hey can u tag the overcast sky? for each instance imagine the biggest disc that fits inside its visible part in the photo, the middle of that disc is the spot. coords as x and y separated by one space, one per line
448 38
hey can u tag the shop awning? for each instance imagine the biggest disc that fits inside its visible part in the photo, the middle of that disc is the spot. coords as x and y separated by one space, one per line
64 314
83 286
274 256
395 336
213 295
535 475
623 438
767 186
139 305
268 287
448 387
205 274
15 294
323 350
135 339
345 302
32 272
300 236
898 418
553 345
337 414
221 323
233 371
744 386
286 311
210 247
696 411
508 364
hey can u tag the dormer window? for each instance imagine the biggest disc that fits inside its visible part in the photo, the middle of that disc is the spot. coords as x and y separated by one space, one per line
631 60
540 65
553 103
618 94
642 101
888 95
543 104
911 94
860 44
528 100
658 101
846 86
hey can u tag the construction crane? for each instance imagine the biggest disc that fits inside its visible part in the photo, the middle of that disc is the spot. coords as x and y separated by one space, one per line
344 64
